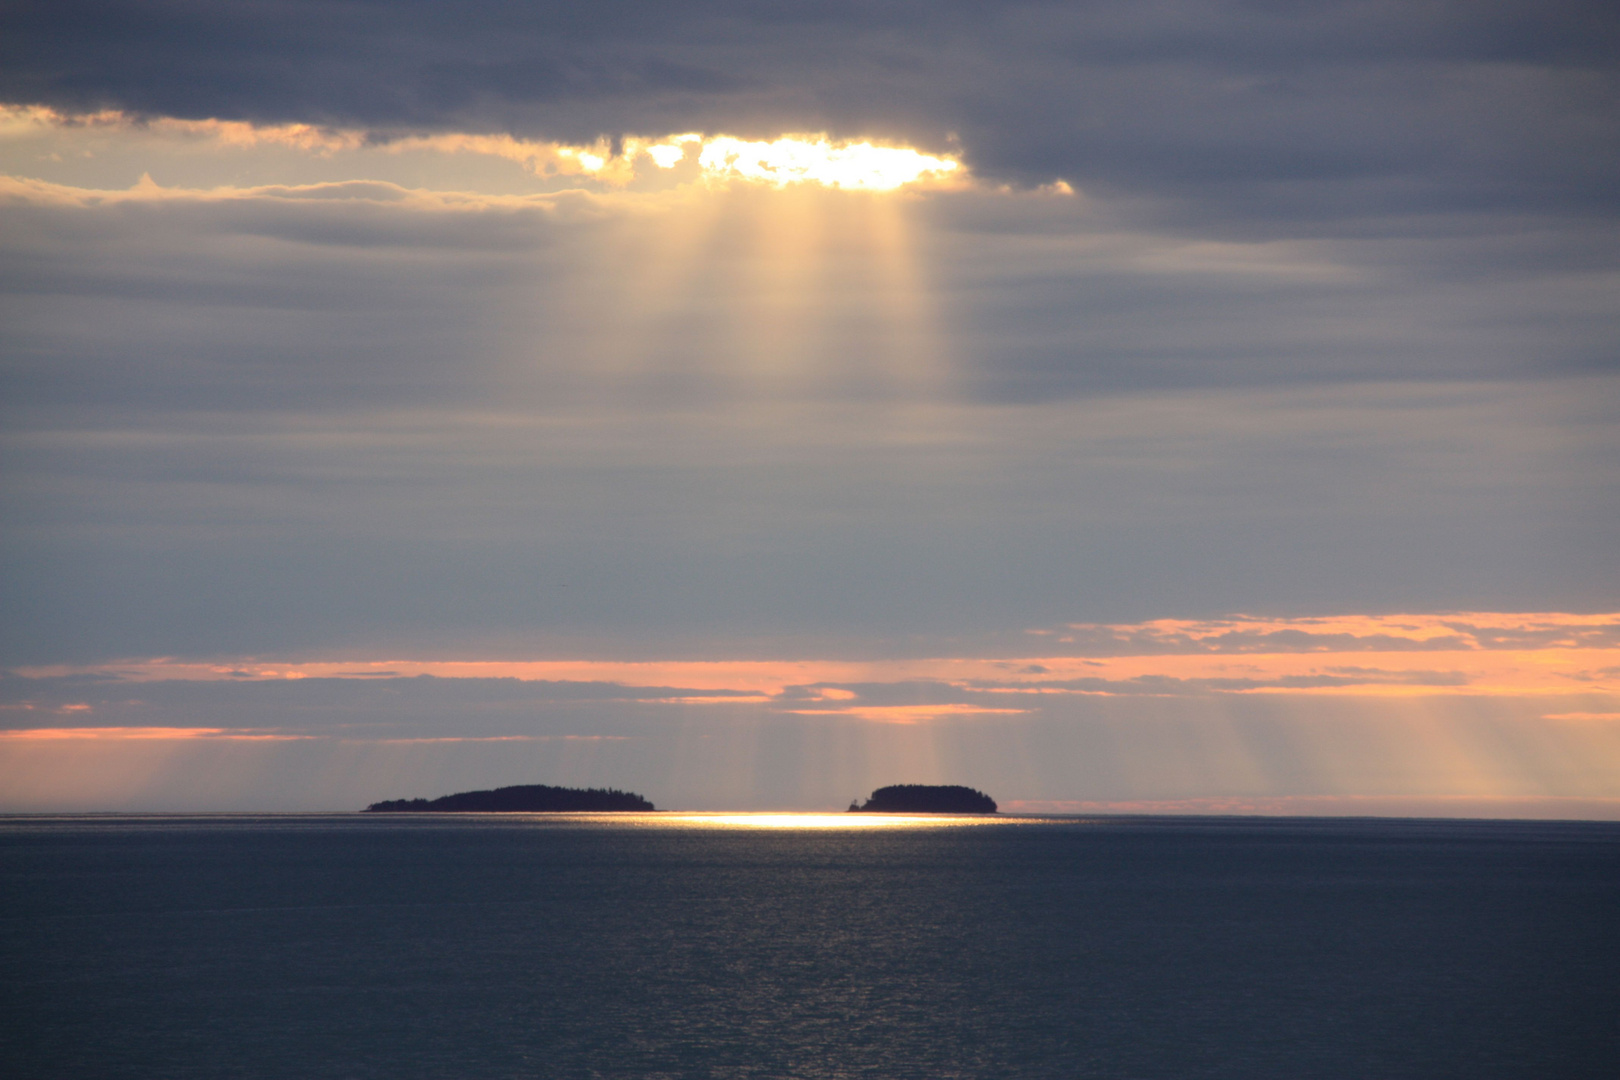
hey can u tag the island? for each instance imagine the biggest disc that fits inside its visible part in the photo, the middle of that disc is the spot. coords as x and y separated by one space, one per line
521 798
926 799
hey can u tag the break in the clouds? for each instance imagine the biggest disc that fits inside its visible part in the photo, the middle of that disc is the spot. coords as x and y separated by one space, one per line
1284 112
461 361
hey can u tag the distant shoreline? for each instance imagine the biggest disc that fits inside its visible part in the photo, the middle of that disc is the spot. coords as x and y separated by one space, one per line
520 798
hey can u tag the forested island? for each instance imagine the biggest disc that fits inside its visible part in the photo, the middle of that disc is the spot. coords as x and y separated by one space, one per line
526 798
925 799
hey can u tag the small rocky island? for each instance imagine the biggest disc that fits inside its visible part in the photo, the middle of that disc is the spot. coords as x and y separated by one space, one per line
926 799
522 798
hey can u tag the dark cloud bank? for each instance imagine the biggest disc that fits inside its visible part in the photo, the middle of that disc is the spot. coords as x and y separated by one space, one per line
1251 111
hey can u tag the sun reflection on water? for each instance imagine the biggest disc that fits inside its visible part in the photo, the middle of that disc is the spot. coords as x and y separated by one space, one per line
827 821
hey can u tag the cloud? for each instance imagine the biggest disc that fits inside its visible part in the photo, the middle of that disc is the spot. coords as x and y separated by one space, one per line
65 146
1169 716
331 339
1445 752
909 714
1460 631
1225 115
1401 655
431 740
160 733
1335 679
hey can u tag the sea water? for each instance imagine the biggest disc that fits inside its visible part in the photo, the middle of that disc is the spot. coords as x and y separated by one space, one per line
473 946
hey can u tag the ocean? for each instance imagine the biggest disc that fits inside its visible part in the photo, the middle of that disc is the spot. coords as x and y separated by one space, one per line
654 946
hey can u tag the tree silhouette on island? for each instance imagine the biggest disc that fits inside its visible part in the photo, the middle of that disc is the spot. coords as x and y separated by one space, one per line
521 798
541 798
925 799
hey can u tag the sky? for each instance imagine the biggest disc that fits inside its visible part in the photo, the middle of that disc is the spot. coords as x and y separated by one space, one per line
1183 406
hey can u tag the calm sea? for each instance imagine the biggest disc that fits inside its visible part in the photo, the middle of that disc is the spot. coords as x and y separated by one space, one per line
515 946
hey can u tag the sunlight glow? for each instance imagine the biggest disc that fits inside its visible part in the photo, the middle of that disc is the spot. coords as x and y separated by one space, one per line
666 154
799 159
827 821
717 160
1478 654
906 714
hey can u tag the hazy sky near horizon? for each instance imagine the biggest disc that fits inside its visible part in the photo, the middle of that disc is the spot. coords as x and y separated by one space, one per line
365 344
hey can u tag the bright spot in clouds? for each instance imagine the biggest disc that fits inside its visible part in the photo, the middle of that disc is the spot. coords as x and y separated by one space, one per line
666 154
795 158
813 159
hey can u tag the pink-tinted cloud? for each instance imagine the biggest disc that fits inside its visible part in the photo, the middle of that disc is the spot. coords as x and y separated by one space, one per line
145 733
1450 632
906 714
433 739
1480 653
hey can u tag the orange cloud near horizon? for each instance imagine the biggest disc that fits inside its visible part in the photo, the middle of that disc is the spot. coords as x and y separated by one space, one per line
1461 714
1462 653
146 733
904 714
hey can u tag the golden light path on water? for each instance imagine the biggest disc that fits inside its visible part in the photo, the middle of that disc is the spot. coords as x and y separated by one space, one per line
828 821
766 819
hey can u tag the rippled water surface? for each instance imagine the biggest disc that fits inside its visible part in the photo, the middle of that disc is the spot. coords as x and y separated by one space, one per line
474 946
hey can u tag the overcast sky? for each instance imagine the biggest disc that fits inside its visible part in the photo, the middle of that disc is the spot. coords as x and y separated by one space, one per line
352 342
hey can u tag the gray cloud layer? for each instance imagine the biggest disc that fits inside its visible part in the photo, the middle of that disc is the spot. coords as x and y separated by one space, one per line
269 423
1305 117
1331 327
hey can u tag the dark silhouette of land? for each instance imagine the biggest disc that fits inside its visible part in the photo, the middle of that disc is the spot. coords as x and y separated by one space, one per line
926 799
531 798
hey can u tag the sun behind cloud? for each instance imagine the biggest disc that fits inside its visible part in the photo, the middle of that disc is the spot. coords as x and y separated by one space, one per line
713 160
815 159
